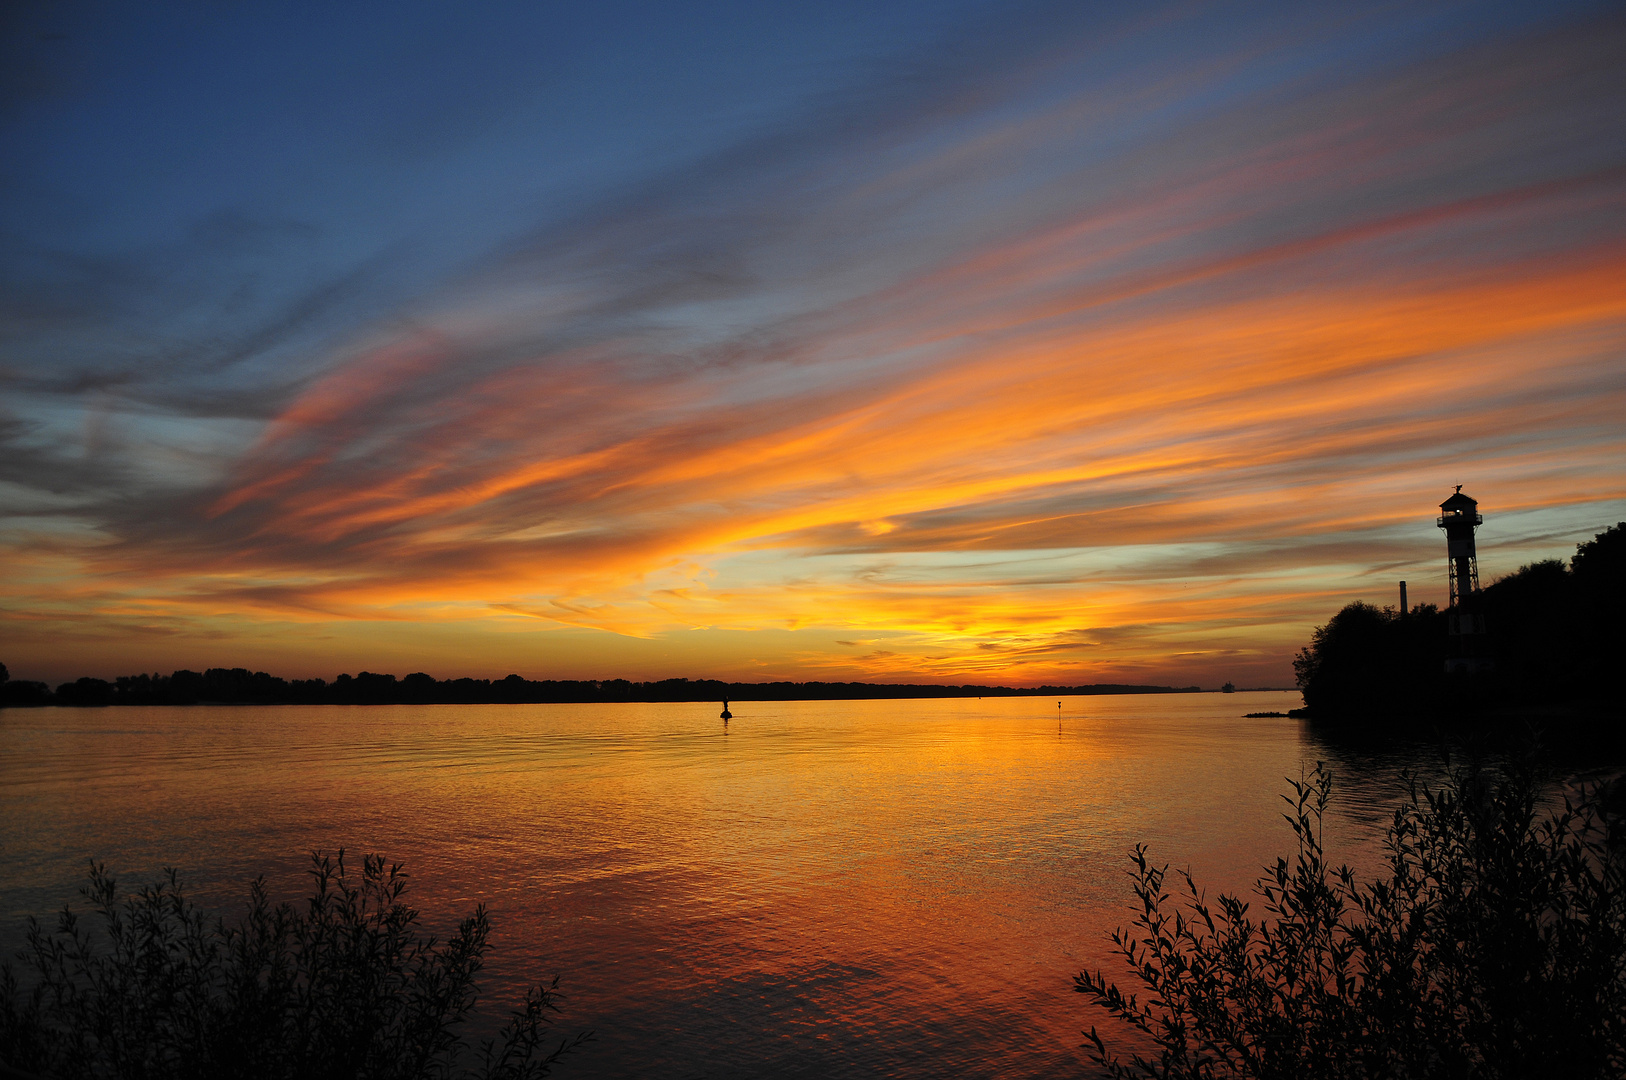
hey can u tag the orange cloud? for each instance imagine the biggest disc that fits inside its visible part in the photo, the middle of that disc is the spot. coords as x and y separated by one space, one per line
1154 425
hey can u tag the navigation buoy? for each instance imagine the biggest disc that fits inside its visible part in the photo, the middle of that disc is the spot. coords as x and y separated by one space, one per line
727 716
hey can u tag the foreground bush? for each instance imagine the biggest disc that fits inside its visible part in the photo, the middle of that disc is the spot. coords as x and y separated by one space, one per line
347 986
1494 946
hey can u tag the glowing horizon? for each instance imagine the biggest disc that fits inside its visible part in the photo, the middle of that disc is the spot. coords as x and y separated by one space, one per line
1126 352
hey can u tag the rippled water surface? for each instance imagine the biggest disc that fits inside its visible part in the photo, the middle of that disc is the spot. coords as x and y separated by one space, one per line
875 888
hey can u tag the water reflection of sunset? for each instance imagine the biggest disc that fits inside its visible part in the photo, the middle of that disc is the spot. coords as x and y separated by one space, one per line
848 888
1101 372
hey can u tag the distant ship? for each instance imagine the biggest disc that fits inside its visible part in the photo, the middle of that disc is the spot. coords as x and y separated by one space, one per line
1228 688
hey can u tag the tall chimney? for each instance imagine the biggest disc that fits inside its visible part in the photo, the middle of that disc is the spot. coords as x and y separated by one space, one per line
1403 607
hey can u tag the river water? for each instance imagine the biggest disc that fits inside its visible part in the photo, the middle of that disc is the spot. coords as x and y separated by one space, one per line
871 888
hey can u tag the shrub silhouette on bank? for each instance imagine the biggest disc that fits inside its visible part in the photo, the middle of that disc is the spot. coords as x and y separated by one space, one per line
1493 947
348 986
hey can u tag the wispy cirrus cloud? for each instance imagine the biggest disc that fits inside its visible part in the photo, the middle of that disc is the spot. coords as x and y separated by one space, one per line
1071 371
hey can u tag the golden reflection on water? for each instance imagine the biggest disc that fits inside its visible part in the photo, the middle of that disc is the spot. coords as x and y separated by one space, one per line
830 888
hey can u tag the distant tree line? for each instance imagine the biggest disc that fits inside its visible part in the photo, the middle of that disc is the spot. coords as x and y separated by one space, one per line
239 686
1555 634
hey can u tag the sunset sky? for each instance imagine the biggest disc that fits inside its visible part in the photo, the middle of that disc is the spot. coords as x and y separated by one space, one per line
950 342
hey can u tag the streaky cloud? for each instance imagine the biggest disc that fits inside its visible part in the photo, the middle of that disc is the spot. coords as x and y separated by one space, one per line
1028 358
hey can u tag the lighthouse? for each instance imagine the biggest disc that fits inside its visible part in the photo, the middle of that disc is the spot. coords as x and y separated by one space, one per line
1459 517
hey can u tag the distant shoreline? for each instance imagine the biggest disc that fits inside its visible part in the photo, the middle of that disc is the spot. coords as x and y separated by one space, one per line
238 686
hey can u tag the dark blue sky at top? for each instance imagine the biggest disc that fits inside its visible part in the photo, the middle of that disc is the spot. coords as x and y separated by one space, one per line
189 170
204 195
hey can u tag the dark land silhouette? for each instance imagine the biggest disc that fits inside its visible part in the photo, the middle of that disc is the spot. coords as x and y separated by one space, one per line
239 686
1553 633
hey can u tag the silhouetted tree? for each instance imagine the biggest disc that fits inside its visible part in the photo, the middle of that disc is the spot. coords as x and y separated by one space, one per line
1530 614
418 688
1599 572
1373 661
85 691
25 693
